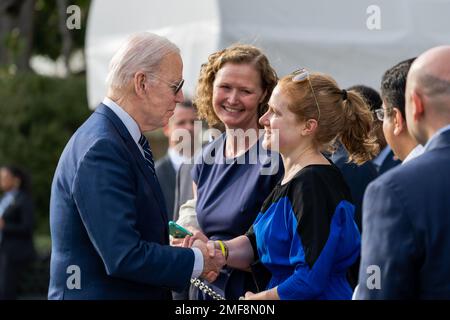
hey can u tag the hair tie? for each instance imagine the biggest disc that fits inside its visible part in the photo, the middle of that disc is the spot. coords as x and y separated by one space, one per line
344 94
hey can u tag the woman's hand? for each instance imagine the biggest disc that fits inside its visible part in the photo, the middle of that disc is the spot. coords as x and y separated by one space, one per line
178 242
197 235
271 294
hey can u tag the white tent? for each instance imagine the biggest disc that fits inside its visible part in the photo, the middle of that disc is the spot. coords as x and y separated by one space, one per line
353 40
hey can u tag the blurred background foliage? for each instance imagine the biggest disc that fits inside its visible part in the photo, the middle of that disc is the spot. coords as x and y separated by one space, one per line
38 113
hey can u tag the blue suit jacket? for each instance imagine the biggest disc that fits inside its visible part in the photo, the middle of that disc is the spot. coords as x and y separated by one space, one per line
108 218
406 218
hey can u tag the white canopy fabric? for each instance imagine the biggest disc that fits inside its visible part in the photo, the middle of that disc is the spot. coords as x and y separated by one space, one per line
327 36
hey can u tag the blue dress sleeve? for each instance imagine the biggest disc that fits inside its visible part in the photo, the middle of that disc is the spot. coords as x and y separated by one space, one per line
324 239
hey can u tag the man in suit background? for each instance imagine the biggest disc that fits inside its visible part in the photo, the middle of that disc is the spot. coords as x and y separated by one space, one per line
393 85
406 212
108 218
180 134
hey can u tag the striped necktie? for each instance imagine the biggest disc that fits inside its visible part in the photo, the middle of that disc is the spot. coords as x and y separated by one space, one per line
147 153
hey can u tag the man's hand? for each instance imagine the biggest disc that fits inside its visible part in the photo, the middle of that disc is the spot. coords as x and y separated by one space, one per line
187 241
213 259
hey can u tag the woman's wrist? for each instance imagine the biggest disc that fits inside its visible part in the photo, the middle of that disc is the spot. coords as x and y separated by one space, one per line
219 244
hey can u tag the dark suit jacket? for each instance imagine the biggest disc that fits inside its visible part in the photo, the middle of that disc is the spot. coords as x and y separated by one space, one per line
166 176
357 178
17 235
388 163
108 218
183 187
406 217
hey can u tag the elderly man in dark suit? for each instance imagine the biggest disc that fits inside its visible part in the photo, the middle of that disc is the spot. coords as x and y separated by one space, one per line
180 134
108 218
406 212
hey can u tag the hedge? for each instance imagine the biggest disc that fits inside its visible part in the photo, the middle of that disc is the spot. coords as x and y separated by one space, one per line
38 115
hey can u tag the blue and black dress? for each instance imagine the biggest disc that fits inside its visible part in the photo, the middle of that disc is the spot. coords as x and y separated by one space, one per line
230 192
306 235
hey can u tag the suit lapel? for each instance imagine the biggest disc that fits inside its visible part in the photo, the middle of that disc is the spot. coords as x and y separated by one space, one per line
133 148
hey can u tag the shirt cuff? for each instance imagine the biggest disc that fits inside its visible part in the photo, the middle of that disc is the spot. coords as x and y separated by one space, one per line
198 263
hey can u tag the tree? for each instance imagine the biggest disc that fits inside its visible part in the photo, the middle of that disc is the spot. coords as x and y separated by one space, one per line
38 27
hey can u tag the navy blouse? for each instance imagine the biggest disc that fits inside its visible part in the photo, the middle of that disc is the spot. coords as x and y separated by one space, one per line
230 192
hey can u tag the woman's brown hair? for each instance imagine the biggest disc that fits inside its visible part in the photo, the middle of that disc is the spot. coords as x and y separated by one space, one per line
341 115
236 54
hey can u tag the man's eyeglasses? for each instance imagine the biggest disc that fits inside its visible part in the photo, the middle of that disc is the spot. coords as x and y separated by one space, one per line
302 75
381 113
174 86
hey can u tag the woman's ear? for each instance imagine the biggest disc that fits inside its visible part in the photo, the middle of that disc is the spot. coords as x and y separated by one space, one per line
309 127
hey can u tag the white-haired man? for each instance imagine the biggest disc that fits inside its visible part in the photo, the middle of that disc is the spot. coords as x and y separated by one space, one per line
107 212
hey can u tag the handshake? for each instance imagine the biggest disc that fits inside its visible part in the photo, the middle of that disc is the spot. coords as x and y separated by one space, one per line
213 257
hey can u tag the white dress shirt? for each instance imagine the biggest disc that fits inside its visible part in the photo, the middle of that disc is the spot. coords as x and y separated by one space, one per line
417 151
135 133
176 159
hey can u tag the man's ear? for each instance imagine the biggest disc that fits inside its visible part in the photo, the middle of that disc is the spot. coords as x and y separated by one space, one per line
166 130
140 84
417 106
399 122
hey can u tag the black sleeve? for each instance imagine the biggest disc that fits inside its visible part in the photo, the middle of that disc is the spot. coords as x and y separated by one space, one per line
313 211
252 237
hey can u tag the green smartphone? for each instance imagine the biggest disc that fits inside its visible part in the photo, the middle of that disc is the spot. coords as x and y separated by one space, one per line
177 231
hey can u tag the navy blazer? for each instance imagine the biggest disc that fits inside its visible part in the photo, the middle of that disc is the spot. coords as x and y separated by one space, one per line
108 219
166 176
388 163
357 177
406 218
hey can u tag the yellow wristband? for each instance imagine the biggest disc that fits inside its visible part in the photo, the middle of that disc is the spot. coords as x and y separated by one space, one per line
222 248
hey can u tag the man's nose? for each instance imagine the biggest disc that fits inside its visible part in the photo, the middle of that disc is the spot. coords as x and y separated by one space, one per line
179 97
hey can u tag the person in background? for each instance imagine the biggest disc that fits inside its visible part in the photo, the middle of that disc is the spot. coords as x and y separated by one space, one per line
395 128
406 212
180 134
16 229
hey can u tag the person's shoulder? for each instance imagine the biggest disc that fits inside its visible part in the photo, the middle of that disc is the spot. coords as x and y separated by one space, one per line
306 180
312 172
416 168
